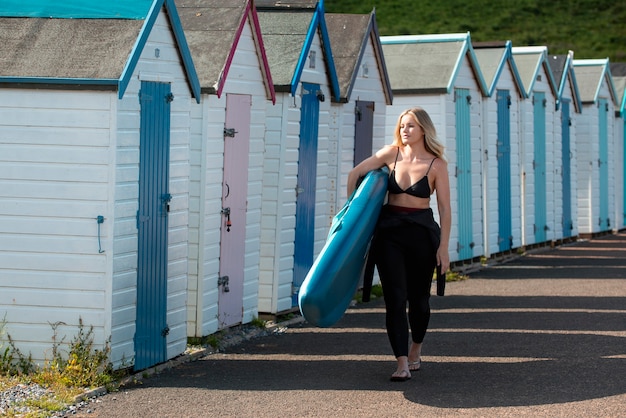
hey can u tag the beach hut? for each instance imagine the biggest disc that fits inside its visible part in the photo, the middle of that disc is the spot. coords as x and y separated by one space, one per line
595 144
295 213
95 108
441 74
568 106
227 148
539 147
618 73
357 120
501 144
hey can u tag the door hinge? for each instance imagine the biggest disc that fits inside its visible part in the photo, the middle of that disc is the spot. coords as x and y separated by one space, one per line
229 132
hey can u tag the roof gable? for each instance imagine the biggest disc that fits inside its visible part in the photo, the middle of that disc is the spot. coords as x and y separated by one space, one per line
350 34
591 73
620 89
84 52
564 77
213 29
494 58
288 34
435 61
530 61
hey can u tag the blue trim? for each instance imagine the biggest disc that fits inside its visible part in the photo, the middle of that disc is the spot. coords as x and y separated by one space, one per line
59 81
181 41
516 74
183 48
317 22
308 41
330 61
140 43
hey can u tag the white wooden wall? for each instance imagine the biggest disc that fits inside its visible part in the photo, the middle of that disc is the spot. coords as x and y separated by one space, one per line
552 148
165 68
74 156
55 155
587 146
441 108
367 88
207 165
587 142
506 81
279 185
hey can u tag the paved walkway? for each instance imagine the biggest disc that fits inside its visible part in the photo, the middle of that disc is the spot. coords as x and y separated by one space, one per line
543 335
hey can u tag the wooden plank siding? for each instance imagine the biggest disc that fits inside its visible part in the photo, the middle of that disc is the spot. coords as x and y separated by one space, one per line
54 173
506 79
207 163
538 84
279 185
126 176
68 156
596 87
441 108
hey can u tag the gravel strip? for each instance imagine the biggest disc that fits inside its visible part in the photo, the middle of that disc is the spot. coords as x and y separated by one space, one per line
14 399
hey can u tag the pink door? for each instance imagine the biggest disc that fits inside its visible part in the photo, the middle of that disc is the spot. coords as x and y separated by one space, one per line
234 199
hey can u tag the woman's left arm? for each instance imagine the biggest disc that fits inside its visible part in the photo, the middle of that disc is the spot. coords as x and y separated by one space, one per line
442 187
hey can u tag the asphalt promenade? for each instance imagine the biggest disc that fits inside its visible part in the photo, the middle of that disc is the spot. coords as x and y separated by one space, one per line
542 335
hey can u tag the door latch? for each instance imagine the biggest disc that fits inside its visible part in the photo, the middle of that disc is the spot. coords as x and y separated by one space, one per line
223 281
226 212
166 199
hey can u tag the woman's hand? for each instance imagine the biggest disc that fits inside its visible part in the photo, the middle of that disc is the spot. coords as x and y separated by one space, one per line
443 260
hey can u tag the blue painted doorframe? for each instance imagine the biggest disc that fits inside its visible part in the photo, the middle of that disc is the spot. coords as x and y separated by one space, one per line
566 170
603 108
539 165
305 189
154 200
505 229
465 245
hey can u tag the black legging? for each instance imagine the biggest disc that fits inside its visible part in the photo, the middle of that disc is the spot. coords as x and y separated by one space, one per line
406 260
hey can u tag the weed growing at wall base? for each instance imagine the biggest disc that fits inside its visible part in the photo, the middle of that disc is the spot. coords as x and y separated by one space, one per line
73 368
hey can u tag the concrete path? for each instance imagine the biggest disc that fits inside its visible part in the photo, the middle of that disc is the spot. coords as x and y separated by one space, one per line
543 335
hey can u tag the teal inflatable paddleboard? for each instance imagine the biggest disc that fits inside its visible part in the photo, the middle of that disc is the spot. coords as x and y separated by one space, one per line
332 282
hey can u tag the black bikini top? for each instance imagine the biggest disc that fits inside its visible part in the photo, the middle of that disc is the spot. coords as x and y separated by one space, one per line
419 189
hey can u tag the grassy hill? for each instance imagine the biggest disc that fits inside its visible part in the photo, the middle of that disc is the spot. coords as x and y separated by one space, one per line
590 28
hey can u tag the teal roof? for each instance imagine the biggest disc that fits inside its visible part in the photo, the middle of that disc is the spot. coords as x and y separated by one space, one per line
76 9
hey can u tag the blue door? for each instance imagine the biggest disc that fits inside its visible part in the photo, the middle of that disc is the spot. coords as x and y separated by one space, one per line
539 165
603 162
465 244
151 325
624 173
505 229
566 169
305 189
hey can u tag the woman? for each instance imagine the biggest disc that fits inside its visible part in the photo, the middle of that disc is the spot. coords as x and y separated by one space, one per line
408 244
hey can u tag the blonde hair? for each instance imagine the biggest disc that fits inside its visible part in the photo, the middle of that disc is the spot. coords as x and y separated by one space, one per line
422 118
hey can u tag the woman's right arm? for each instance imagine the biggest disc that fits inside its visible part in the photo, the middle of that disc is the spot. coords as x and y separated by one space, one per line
378 160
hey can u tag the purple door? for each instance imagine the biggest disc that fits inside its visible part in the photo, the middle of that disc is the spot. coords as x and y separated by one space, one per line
363 130
234 198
